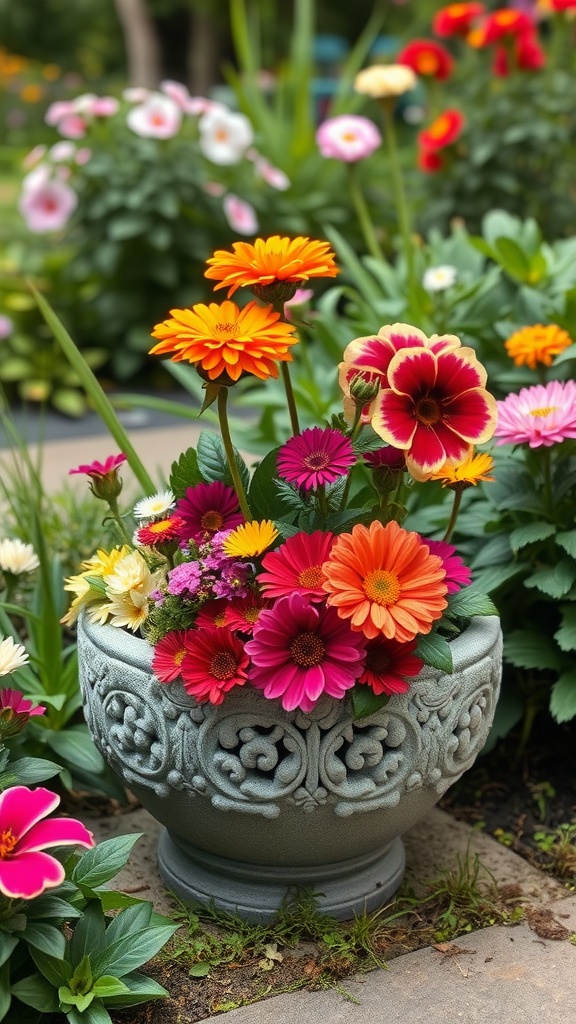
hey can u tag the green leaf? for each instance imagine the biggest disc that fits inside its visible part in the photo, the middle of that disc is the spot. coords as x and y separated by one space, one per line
468 602
435 651
490 579
83 977
30 770
553 580
130 951
141 989
37 992
5 993
88 938
565 636
184 473
81 1000
8 944
103 861
567 540
212 461
50 905
530 533
563 697
264 498
527 648
201 970
56 971
76 747
109 986
513 260
93 1014
365 702
45 937
111 899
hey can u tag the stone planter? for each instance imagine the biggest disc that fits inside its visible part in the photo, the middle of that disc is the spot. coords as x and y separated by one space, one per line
258 802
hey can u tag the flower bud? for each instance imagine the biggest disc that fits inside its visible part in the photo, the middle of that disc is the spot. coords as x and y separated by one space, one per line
362 388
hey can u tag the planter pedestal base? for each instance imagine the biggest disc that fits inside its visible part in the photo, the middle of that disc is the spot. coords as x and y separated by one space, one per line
255 891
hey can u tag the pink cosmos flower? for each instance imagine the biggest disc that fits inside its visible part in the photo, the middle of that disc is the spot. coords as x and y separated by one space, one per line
315 457
158 117
296 566
96 468
224 136
348 137
214 662
389 664
25 870
435 407
207 509
15 710
542 415
48 205
301 650
56 111
241 216
458 574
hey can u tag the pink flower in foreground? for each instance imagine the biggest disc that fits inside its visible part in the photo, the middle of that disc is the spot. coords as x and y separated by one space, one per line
15 710
241 216
301 650
435 407
315 457
388 664
158 117
348 137
100 468
458 574
47 206
542 415
296 566
207 509
25 870
214 662
168 655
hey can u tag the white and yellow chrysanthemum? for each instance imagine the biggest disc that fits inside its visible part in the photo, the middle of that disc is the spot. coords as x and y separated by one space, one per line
156 505
17 557
128 587
12 656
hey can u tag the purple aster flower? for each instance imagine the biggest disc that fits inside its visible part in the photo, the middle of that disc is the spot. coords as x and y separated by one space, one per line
185 579
233 580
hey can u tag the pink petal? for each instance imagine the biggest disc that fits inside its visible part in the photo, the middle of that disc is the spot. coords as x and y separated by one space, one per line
55 832
26 876
20 808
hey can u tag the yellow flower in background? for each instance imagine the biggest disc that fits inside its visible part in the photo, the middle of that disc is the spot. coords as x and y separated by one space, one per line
32 93
271 262
537 344
250 539
467 473
51 72
382 80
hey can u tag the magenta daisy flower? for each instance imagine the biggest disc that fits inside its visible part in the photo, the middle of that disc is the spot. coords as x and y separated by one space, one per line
435 407
214 662
206 509
301 650
542 415
389 664
296 566
458 574
315 457
96 468
168 655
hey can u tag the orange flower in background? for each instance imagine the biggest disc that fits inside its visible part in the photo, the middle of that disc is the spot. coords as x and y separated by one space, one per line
468 473
223 339
384 579
270 262
502 24
537 344
31 93
456 19
427 58
443 131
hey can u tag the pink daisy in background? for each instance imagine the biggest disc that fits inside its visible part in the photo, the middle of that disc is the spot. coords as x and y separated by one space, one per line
296 566
46 204
544 414
458 574
389 664
158 117
206 509
348 137
100 468
241 216
316 457
168 655
214 662
301 650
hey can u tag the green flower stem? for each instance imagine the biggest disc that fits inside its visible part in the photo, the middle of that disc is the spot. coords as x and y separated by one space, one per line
545 456
115 513
321 499
458 491
290 400
229 449
387 104
364 220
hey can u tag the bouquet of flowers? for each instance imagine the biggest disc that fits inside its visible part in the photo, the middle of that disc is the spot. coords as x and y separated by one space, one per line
298 576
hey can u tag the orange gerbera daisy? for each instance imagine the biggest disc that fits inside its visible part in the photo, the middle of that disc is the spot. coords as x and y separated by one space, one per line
224 339
537 344
272 267
384 579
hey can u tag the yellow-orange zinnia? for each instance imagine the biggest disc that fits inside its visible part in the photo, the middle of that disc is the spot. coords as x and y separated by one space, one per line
223 339
270 261
537 344
384 579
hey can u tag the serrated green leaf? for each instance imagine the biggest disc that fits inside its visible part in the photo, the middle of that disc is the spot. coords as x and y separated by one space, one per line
184 473
567 540
553 580
565 636
45 937
527 648
468 602
435 651
530 533
563 697
212 461
103 861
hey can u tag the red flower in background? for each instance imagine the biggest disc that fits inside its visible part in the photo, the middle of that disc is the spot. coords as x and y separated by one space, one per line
503 24
443 131
427 58
528 55
456 19
563 5
430 161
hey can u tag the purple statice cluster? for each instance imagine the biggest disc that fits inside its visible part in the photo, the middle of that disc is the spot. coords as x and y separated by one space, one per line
210 573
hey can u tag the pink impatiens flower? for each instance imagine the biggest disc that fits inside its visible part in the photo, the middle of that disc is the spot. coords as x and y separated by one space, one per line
100 468
25 870
15 710
47 204
348 137
542 415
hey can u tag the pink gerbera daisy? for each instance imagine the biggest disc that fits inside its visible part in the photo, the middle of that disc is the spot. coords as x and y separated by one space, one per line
168 655
389 664
214 662
206 509
315 457
296 566
301 650
458 575
544 414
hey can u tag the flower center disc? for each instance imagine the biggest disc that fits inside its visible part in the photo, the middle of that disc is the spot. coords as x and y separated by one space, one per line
382 586
223 665
317 460
544 411
377 661
7 843
428 411
311 577
307 650
212 521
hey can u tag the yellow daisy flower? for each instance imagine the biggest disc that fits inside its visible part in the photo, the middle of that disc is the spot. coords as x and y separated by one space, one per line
467 473
250 539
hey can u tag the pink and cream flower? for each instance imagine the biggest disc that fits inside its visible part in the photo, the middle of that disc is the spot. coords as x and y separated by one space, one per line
348 137
542 415
26 870
224 135
435 407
